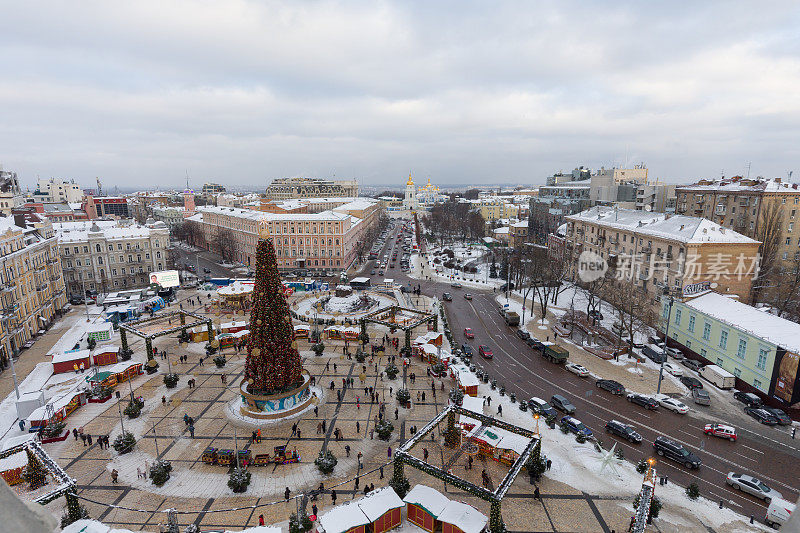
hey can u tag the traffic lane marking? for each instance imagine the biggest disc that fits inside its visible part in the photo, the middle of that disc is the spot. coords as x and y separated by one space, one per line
654 430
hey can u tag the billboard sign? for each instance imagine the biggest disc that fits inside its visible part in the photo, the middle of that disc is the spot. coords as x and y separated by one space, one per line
165 278
696 289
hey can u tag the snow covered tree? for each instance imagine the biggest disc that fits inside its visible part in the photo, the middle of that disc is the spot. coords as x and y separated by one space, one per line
273 362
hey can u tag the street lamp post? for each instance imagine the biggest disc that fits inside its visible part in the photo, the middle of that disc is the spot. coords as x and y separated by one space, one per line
666 336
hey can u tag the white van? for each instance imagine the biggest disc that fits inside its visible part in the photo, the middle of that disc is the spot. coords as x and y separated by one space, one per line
718 376
778 512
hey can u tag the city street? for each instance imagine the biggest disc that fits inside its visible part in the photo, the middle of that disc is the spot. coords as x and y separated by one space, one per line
763 452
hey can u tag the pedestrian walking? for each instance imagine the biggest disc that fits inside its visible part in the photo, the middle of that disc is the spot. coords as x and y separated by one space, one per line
381 470
298 434
358 427
396 413
286 494
389 452
89 439
371 434
75 433
201 361
191 430
261 520
356 483
114 475
536 494
83 438
333 496
294 429
500 409
425 454
347 450
314 509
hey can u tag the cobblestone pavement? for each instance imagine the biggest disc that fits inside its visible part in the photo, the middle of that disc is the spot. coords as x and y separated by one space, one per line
198 491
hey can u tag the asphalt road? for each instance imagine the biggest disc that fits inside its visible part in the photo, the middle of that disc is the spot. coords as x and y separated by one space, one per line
759 451
206 260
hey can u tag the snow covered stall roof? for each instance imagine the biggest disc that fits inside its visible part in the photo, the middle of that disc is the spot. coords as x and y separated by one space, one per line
464 517
430 499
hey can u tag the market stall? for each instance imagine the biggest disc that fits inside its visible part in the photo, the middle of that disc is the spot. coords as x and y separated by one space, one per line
466 380
118 373
302 331
424 505
11 467
105 355
62 406
383 509
73 361
233 326
499 444
347 518
459 517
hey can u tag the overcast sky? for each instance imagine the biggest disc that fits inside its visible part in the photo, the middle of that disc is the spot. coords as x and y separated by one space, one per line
239 92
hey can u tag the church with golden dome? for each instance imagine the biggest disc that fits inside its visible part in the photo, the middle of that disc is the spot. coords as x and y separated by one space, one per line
424 197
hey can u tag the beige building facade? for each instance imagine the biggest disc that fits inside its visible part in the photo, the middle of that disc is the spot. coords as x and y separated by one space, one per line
287 188
108 255
31 280
657 251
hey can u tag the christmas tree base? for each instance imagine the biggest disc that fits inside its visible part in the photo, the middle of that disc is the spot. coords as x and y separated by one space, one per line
279 405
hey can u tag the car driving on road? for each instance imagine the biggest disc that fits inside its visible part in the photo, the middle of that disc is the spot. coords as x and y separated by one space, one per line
467 349
614 387
468 296
485 351
455 285
701 397
722 431
562 404
670 449
468 333
577 369
645 401
447 297
620 429
752 485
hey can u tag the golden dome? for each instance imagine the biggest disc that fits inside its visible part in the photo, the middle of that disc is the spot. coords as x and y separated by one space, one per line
410 181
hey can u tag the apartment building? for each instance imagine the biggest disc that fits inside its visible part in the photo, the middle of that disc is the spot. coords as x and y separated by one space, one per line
656 251
747 206
171 215
518 233
31 280
327 240
759 348
107 255
656 197
286 188
56 190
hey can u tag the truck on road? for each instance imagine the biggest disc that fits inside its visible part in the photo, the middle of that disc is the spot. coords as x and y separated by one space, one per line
512 318
554 354
718 376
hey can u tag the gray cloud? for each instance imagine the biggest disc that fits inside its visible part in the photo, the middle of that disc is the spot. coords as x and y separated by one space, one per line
238 91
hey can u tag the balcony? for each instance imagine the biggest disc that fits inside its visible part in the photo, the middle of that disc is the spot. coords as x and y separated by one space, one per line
646 250
719 210
54 277
52 260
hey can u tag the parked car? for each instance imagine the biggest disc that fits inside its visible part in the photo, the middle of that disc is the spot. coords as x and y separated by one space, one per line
468 333
672 352
535 343
524 335
485 351
447 297
692 383
654 353
76 300
576 426
747 398
577 369
673 369
372 272
701 397
782 418
671 404
722 431
541 407
467 349
562 404
761 415
675 451
779 512
645 401
614 387
207 270
692 364
620 429
467 296
456 285
752 485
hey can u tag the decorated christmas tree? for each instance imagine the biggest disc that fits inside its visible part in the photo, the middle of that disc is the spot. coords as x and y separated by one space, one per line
273 362
34 472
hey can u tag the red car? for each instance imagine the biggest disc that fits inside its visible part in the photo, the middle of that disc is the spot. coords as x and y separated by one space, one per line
721 430
485 351
468 333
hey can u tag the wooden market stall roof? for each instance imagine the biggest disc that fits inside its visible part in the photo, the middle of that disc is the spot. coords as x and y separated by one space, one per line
464 517
379 502
429 499
343 518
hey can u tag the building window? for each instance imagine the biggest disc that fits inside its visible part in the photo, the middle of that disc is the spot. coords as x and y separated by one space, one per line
678 317
703 352
688 343
762 359
756 384
707 331
740 351
723 339
719 361
737 372
691 323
